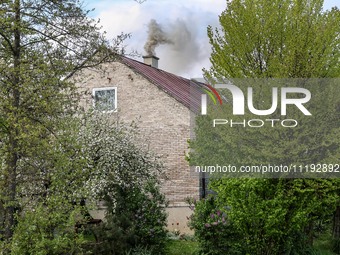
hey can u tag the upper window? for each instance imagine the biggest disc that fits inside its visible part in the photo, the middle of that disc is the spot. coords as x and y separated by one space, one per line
105 99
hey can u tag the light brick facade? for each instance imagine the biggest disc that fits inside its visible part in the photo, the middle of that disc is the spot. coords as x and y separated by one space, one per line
164 121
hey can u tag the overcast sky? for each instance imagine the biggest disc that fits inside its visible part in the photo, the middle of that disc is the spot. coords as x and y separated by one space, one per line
185 21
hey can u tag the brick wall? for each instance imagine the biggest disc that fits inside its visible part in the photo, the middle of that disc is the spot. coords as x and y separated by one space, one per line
163 121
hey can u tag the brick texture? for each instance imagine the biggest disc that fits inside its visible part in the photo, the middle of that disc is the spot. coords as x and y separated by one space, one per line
163 121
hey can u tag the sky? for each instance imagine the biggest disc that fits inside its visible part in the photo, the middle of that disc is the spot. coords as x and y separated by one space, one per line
183 22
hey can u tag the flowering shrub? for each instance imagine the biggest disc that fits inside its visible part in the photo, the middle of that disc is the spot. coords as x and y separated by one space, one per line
213 231
125 175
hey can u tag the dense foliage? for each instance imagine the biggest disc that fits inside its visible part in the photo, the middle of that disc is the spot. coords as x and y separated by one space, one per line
103 162
271 39
42 43
263 229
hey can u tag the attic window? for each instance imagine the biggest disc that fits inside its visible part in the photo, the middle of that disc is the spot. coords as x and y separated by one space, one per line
105 99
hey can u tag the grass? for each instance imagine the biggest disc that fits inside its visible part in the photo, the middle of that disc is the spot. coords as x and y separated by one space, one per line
182 247
190 247
323 246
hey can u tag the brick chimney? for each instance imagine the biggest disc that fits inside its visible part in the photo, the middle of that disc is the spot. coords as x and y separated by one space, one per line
151 61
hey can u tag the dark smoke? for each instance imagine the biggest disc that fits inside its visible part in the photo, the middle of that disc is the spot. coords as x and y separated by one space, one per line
156 36
185 49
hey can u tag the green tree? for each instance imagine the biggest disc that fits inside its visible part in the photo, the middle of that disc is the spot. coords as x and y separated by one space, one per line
51 200
42 44
274 39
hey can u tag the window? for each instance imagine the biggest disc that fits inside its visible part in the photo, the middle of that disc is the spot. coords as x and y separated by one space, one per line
105 99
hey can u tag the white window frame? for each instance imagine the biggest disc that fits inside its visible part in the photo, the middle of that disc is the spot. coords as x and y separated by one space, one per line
94 90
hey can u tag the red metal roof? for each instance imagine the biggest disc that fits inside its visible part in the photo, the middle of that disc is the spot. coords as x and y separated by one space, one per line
185 91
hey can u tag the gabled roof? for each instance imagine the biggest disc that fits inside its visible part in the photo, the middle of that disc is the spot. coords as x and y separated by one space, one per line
185 91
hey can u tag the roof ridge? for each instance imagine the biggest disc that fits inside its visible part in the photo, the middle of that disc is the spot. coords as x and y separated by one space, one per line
155 68
184 90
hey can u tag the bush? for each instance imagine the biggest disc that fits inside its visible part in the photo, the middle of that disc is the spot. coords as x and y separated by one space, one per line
135 219
48 230
213 231
259 216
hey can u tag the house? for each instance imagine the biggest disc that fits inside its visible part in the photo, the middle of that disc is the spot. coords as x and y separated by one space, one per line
163 105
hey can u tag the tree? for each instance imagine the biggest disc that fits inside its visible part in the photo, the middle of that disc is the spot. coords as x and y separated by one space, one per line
95 159
42 44
264 39
278 39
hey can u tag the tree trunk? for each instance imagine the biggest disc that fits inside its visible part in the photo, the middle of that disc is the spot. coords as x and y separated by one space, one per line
310 233
336 223
11 204
12 159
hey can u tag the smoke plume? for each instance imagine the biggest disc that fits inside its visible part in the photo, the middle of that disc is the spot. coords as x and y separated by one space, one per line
184 49
156 36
